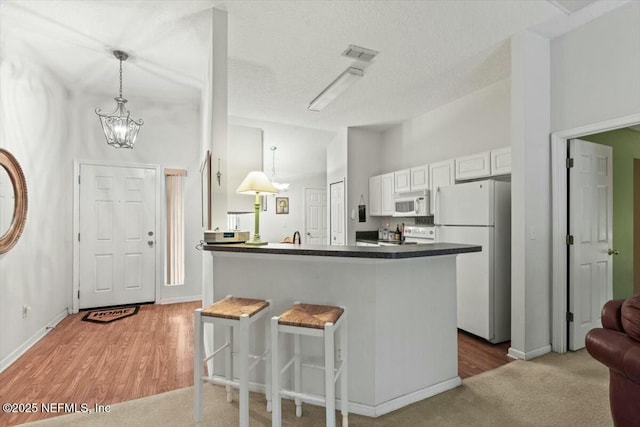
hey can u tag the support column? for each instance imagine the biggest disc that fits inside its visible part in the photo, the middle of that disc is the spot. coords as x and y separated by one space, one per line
530 196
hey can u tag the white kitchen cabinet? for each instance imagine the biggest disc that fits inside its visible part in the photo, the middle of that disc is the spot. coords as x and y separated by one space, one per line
441 174
375 195
501 161
402 181
388 205
473 166
420 178
381 195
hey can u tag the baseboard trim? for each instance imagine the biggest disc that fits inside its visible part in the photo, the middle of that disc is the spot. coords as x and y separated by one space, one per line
517 354
176 300
386 407
15 355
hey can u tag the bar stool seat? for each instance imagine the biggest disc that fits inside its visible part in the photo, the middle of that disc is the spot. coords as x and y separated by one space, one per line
231 312
319 321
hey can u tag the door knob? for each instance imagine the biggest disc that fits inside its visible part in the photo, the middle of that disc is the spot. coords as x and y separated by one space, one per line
613 252
150 243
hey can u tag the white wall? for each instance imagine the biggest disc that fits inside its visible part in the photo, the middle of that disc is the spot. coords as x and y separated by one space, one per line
47 128
595 70
170 143
300 160
476 122
364 147
37 271
244 151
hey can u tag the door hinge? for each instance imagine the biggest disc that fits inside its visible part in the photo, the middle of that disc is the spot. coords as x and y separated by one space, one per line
569 239
569 316
78 237
78 179
569 163
78 293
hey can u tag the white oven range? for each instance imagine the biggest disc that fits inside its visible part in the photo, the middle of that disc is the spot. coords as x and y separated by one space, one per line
419 234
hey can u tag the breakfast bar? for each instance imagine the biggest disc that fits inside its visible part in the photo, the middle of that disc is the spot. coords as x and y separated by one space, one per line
401 302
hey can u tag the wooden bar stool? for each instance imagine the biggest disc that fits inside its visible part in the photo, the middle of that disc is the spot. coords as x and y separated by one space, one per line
230 312
317 321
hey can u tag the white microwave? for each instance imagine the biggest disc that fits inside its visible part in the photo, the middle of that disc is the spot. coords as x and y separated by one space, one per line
411 204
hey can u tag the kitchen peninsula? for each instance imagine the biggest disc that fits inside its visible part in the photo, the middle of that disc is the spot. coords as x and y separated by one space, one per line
401 305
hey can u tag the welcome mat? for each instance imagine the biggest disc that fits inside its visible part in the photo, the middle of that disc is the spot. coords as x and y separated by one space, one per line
109 315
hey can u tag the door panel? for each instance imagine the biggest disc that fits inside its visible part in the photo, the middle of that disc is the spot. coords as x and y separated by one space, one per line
337 214
315 216
466 204
117 253
590 223
474 279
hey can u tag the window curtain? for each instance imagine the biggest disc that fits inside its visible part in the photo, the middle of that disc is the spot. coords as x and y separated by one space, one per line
174 180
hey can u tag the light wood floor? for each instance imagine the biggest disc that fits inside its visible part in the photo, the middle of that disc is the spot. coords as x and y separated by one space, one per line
149 353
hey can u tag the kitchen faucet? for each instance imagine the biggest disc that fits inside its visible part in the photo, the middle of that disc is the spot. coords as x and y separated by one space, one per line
297 233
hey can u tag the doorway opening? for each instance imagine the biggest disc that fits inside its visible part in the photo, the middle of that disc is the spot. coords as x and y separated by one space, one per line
560 268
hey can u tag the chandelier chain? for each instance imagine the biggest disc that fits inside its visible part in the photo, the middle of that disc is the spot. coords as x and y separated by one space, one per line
120 78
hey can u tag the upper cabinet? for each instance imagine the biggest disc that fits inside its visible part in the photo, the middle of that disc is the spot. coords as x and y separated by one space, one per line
386 185
381 195
420 178
501 161
441 174
413 179
474 166
402 181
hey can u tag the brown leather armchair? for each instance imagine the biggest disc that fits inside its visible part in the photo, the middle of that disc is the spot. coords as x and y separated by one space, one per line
617 345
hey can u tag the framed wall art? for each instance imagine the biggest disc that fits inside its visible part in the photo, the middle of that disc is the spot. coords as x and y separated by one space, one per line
282 205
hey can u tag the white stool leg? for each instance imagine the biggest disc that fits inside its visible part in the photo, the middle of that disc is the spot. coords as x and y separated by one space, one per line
244 370
229 362
197 365
329 375
267 368
275 375
344 358
297 373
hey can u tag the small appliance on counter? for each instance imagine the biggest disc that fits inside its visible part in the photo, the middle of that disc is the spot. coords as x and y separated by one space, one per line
229 236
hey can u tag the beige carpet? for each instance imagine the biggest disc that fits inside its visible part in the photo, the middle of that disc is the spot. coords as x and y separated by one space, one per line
553 390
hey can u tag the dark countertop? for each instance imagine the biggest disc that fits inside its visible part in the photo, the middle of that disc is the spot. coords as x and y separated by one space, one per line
380 252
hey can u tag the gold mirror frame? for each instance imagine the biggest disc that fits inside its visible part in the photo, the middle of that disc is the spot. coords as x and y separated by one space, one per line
11 165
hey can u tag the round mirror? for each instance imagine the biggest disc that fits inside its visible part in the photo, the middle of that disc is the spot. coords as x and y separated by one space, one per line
13 201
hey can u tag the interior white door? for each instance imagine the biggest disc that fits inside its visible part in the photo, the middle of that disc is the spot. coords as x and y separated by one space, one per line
337 218
117 235
315 216
474 279
591 225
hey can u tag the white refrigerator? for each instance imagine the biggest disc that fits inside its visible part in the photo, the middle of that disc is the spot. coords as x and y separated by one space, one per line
479 212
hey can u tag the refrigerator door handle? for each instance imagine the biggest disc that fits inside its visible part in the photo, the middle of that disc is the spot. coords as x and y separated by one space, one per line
436 214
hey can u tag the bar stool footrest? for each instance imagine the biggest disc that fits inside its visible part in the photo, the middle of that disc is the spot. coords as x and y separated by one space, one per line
305 397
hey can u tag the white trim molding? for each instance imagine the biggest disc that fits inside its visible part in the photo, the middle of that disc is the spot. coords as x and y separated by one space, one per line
559 220
40 333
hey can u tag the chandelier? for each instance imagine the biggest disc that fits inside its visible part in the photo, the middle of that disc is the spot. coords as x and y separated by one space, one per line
281 186
119 128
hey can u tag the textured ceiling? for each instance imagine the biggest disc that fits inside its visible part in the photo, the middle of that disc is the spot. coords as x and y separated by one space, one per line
281 53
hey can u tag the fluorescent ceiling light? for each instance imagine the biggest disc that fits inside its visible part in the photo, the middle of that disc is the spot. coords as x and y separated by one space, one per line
339 85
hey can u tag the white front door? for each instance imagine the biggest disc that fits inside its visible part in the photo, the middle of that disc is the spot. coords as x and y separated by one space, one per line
337 213
590 224
315 221
117 224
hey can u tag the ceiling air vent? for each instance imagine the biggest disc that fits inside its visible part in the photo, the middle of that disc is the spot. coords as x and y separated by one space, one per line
359 53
